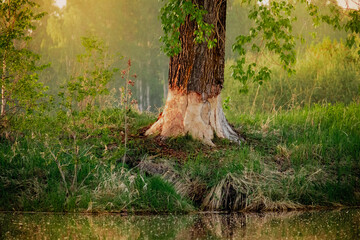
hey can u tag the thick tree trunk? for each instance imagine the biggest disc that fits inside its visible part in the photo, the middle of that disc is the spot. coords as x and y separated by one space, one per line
196 77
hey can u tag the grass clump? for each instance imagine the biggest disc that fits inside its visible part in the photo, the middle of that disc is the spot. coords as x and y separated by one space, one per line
77 165
323 140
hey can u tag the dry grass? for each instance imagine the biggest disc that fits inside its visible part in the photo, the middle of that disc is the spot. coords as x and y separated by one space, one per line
268 190
114 185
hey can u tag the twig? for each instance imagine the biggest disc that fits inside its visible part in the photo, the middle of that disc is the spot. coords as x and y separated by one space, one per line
55 158
126 106
83 181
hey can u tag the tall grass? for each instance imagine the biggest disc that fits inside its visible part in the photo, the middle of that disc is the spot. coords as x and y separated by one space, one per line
60 165
327 72
291 159
323 139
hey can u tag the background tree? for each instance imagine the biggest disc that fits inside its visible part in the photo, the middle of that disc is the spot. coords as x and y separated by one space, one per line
131 28
20 88
90 81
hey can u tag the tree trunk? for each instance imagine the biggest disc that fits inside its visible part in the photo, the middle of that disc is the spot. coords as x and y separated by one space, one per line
3 99
196 77
148 98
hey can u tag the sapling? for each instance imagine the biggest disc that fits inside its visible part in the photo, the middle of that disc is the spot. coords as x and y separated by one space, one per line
126 97
19 80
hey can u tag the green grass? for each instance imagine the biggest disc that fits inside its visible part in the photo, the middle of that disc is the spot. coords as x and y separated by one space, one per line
321 139
89 148
327 72
290 159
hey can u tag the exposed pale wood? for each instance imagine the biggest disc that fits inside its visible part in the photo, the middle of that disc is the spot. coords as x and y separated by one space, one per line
190 114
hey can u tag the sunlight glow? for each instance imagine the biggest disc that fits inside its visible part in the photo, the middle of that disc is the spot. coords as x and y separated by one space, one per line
60 3
349 4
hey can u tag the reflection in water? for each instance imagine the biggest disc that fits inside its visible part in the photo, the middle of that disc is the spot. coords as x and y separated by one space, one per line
216 226
342 224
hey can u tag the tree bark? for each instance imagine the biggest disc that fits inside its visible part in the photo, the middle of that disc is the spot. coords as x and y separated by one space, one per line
196 77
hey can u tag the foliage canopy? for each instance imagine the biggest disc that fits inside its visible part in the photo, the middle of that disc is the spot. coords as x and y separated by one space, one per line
20 88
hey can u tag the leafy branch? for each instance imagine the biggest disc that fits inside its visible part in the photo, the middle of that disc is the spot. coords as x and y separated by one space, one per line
173 15
272 32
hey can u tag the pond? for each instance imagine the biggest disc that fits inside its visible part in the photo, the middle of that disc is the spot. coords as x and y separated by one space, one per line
341 224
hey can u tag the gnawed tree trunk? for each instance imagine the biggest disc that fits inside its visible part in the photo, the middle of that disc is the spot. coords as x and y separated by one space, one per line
196 77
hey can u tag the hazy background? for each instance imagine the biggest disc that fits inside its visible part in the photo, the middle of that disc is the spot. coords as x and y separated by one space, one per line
132 29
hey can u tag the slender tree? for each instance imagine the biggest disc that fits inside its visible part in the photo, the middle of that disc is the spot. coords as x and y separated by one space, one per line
19 81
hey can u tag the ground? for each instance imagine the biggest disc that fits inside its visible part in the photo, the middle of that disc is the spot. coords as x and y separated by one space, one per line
289 160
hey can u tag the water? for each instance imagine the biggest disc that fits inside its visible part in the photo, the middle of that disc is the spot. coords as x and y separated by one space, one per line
342 224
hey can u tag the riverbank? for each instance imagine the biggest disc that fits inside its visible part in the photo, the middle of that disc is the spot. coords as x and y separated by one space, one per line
305 209
301 158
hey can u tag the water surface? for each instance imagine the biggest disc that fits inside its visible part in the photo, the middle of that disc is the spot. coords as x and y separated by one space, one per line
341 224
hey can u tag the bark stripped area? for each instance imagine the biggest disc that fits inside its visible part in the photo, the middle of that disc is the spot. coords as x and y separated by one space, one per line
196 77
